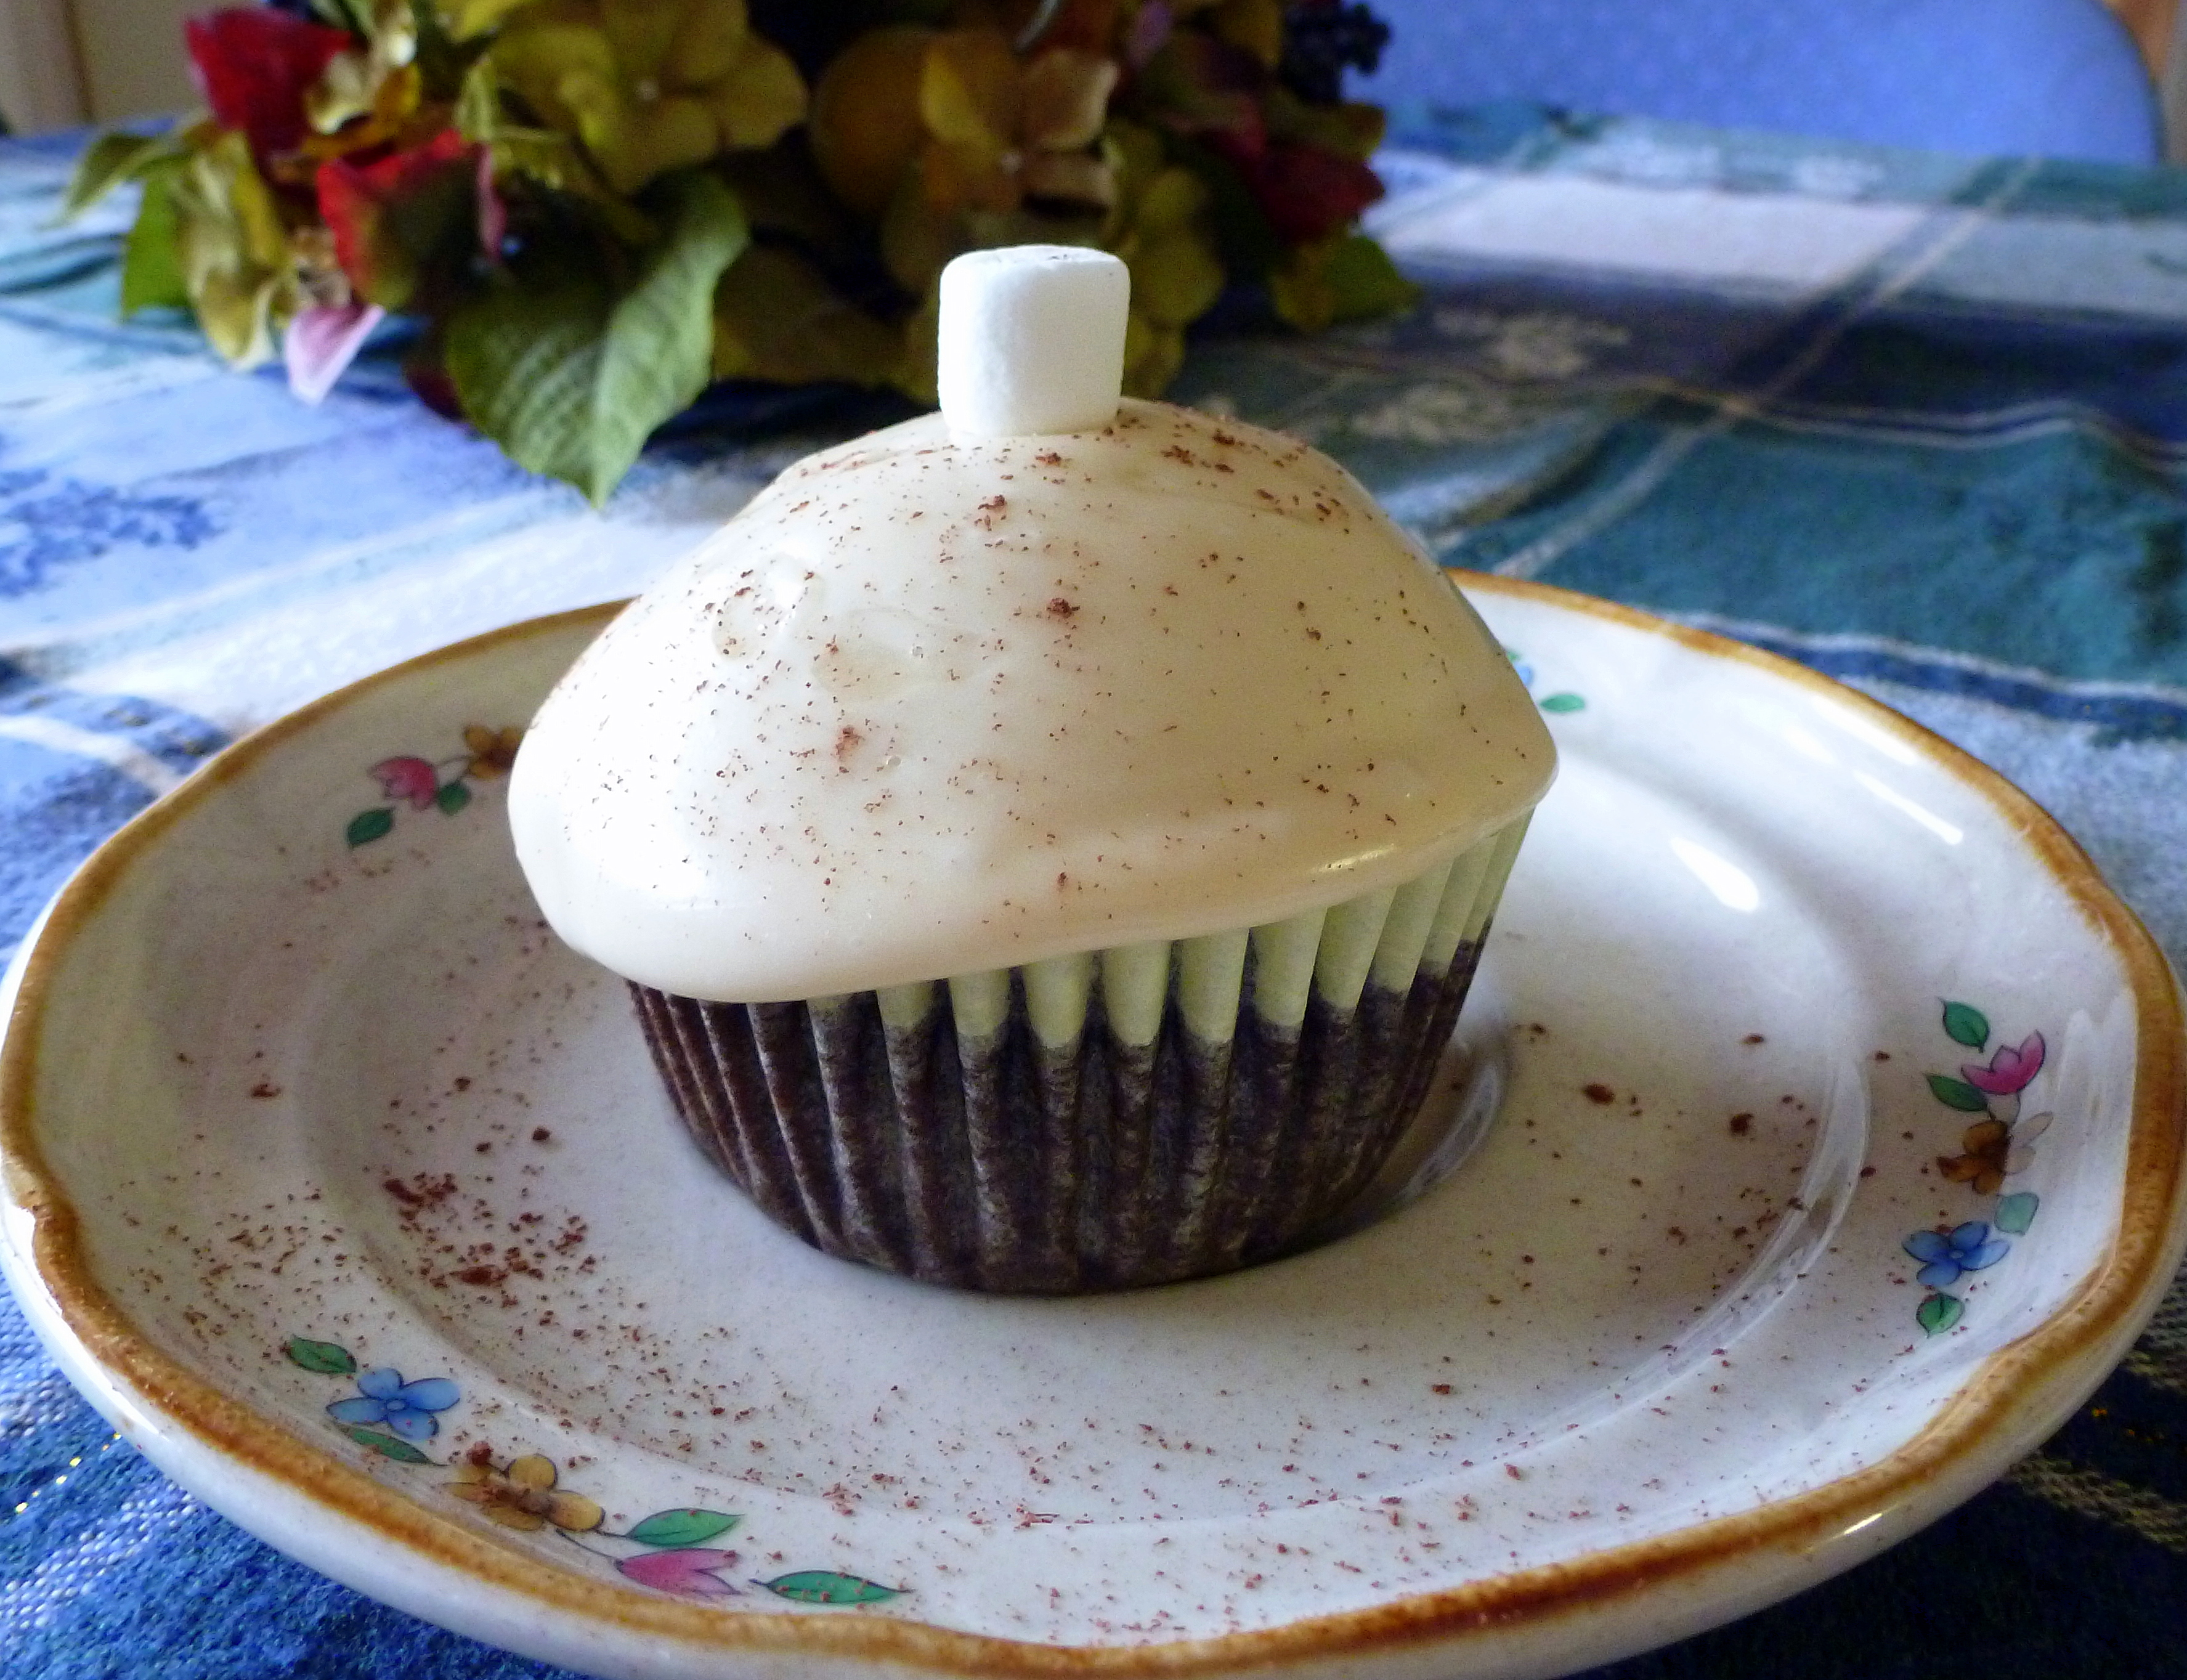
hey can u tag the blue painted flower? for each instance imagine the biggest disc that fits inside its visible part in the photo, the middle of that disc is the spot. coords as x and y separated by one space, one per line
1969 1247
407 1408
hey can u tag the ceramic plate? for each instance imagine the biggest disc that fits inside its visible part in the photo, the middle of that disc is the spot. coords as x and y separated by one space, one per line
1840 1156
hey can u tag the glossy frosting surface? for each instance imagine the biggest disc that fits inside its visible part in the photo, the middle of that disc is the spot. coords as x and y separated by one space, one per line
925 708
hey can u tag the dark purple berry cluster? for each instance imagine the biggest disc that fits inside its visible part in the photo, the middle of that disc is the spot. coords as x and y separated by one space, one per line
1323 39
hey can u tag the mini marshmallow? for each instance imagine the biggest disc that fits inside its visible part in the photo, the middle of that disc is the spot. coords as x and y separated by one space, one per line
1031 341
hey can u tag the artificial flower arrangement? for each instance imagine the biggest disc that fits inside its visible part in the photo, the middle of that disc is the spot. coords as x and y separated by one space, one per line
593 208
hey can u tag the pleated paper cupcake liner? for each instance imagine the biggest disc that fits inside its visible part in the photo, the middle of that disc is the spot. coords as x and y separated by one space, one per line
1118 1118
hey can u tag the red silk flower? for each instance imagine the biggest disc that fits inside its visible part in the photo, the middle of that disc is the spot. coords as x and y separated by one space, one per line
1304 191
434 183
254 65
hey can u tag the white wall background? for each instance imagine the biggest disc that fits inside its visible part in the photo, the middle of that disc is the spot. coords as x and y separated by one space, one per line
69 61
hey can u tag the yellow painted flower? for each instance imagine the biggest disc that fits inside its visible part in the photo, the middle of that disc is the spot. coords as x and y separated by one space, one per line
650 85
523 1496
492 751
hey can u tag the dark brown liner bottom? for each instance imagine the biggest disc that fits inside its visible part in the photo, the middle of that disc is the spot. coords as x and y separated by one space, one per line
1004 1166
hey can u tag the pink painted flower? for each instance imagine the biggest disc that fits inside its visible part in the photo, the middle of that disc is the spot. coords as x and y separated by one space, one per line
2008 1070
410 778
322 341
687 1571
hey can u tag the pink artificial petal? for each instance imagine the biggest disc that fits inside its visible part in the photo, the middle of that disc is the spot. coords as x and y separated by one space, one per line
492 210
320 342
685 1571
410 778
2008 1070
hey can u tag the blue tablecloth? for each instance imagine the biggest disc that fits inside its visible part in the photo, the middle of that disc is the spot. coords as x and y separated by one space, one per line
1918 421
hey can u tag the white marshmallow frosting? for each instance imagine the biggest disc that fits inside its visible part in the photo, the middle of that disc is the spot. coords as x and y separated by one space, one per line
930 706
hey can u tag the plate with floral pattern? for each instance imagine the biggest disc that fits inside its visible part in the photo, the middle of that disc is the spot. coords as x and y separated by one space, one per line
1839 1157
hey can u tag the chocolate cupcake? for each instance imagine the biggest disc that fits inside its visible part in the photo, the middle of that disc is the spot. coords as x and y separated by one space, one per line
1048 842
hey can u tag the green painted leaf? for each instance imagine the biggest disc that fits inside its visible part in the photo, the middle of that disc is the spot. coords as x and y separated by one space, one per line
823 1586
1957 1093
151 260
322 1357
1564 703
2015 1212
570 378
367 826
387 1446
453 797
1967 1025
106 163
1939 1313
673 1529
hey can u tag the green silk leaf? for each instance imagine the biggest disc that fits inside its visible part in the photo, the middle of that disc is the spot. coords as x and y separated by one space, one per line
569 377
1364 283
107 162
151 260
1250 247
478 103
